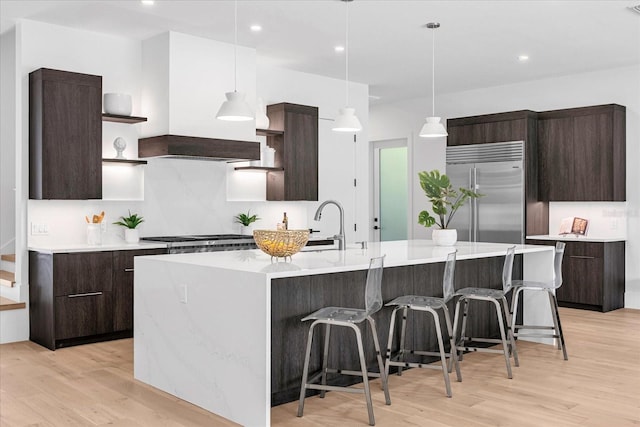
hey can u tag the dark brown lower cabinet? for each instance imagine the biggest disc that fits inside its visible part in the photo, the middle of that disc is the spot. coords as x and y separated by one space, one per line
294 298
83 315
123 286
76 298
593 275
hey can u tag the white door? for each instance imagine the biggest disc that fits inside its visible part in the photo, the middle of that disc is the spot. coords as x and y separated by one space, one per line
390 190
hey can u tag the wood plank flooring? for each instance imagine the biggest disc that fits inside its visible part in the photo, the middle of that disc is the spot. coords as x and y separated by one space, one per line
93 385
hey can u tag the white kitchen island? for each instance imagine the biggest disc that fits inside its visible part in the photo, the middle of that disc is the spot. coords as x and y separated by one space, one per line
204 321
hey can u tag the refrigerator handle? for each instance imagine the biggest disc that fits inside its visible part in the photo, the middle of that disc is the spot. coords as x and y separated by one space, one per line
474 204
471 206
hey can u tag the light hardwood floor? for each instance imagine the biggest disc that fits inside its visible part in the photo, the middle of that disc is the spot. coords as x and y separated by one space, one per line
92 385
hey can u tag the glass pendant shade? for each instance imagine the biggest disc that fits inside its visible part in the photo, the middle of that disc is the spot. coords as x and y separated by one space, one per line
347 121
433 128
235 108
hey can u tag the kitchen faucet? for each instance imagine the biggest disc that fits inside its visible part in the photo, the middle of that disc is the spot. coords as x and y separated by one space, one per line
340 235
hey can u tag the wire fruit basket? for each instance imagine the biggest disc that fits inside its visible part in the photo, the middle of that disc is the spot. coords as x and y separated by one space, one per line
281 243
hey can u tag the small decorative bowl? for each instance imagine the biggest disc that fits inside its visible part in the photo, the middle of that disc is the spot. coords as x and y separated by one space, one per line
281 243
117 103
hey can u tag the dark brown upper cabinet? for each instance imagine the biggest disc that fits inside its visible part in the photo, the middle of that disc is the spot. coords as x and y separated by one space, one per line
582 154
65 135
296 152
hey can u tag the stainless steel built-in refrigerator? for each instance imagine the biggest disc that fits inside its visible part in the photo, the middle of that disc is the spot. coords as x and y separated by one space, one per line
496 171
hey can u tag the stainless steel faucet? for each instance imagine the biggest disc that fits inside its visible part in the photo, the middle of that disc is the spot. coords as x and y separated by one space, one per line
340 236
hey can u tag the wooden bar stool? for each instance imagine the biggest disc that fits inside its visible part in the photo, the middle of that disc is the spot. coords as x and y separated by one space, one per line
350 318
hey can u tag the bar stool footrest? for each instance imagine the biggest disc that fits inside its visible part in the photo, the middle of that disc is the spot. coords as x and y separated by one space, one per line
333 388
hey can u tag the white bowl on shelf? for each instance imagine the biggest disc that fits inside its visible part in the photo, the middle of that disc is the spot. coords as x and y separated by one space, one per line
117 103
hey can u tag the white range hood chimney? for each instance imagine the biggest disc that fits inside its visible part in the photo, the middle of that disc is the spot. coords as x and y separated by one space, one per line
184 80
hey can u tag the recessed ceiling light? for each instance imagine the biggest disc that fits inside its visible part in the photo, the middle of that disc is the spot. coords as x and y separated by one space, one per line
339 48
256 28
147 2
523 58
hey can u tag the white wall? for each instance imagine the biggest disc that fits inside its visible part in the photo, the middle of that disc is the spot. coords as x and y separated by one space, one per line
620 85
8 141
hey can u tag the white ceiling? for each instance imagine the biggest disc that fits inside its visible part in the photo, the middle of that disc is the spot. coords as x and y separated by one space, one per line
390 48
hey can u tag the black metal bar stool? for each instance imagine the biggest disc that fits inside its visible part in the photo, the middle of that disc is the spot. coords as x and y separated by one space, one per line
428 305
550 288
348 317
497 297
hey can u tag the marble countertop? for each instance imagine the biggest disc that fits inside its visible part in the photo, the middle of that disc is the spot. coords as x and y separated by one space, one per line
83 247
324 261
574 238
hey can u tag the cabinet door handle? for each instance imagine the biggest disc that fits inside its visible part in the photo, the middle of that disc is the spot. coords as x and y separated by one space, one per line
582 257
87 294
128 270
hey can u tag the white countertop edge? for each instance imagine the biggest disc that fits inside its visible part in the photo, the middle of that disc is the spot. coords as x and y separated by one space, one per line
574 238
359 258
83 247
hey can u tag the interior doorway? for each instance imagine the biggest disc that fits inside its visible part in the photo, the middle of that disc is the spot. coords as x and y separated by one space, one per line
390 190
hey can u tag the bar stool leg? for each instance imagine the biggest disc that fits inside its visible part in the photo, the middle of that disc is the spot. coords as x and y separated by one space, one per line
305 371
365 377
514 310
556 314
392 331
505 346
510 319
454 336
453 351
383 376
443 357
325 357
401 354
463 332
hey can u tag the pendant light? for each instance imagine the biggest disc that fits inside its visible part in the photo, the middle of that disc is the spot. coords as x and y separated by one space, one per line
235 108
433 128
347 121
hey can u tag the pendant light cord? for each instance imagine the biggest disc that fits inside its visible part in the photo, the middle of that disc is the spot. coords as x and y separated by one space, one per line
433 74
346 48
235 46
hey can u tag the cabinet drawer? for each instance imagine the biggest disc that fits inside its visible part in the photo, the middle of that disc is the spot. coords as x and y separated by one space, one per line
78 273
83 314
585 250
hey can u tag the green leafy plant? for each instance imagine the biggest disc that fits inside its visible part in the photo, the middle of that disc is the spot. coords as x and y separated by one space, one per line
246 219
445 200
131 221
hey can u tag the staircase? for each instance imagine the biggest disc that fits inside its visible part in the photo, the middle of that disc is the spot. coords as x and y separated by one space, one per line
8 278
14 317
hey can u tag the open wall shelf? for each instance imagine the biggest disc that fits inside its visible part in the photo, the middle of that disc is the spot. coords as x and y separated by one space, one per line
132 162
122 119
258 168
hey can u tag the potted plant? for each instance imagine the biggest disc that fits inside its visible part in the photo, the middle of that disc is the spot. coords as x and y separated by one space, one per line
445 202
130 223
245 220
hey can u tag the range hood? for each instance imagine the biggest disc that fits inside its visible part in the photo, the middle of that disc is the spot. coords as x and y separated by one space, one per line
196 148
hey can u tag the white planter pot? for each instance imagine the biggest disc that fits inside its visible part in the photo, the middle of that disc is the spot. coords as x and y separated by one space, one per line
447 237
131 235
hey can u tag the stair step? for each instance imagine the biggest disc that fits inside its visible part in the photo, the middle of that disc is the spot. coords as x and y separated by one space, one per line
7 279
8 257
7 304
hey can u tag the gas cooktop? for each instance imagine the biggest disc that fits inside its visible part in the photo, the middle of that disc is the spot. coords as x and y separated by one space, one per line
204 242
